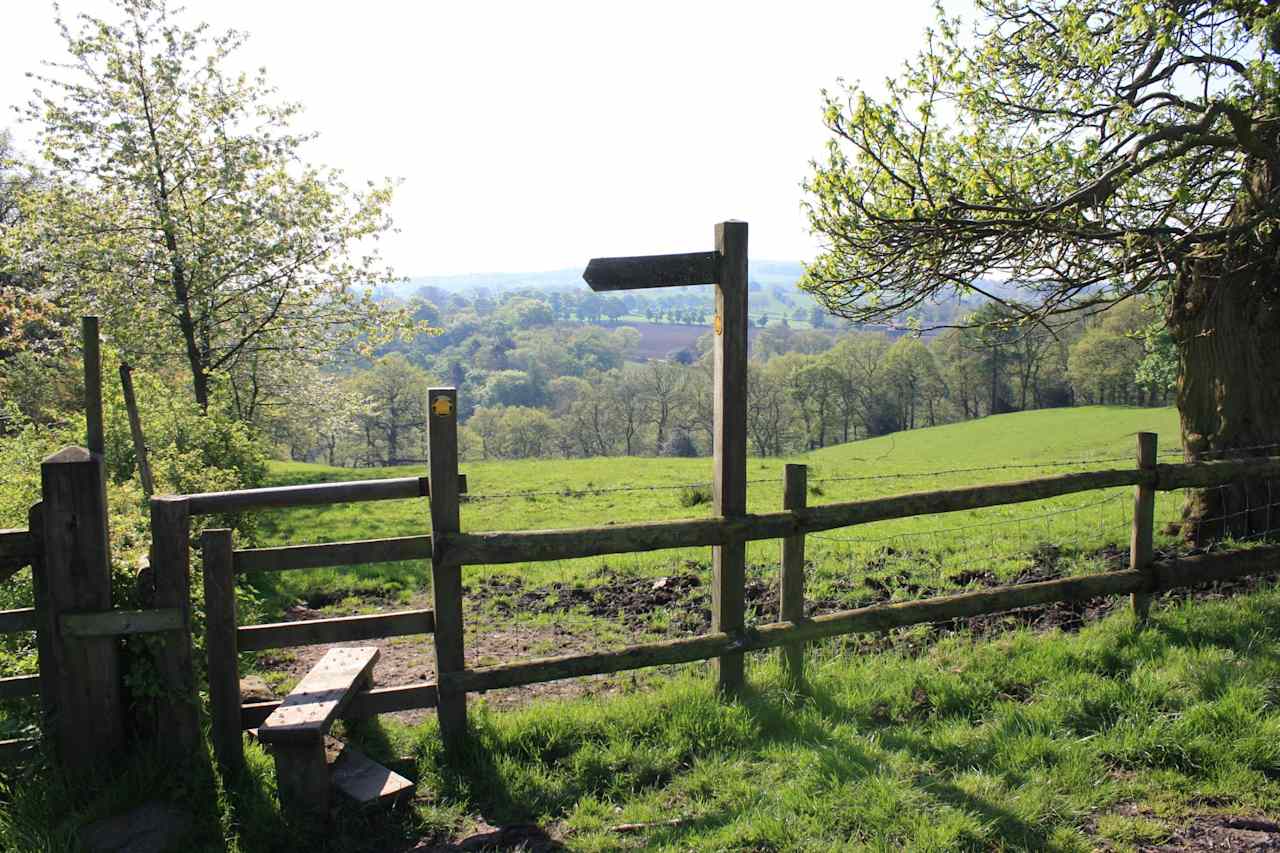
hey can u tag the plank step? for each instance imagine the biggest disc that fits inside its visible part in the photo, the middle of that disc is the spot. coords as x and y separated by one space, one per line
310 710
361 778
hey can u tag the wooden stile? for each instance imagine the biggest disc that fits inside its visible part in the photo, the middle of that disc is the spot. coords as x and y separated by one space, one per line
791 584
223 653
446 572
729 498
1144 511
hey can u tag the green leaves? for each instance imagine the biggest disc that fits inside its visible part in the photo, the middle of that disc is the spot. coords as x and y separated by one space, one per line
181 209
1073 146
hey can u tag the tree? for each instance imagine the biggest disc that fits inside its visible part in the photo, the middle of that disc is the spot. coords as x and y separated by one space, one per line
395 406
178 205
1089 152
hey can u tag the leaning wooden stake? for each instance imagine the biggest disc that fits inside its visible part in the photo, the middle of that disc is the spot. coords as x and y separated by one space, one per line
728 591
135 430
79 677
1144 509
220 644
791 594
446 573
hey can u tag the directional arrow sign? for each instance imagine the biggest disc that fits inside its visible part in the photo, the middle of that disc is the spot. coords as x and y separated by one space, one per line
652 271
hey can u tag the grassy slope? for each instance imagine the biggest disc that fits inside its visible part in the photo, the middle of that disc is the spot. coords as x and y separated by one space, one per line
1023 438
1022 742
1027 742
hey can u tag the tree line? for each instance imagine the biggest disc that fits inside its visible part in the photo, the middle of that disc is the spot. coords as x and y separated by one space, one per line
534 387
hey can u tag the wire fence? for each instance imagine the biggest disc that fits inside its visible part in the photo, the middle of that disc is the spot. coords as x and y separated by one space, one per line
571 492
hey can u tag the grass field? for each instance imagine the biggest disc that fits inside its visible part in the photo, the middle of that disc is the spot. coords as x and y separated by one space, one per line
572 493
1080 735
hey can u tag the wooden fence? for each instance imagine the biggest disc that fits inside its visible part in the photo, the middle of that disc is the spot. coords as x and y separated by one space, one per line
449 548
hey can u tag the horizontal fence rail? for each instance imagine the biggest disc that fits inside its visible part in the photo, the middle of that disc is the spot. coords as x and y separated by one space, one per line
367 703
22 619
120 623
570 543
18 686
1157 577
18 549
310 632
332 554
312 494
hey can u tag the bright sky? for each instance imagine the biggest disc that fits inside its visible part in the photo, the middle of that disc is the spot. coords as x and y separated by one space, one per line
536 135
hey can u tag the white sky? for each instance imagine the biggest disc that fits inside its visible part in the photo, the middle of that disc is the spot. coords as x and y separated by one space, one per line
536 135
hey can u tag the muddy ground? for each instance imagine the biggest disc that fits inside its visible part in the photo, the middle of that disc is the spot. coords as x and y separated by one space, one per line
508 620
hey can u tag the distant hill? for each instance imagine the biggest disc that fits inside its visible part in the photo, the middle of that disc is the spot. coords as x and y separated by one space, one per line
784 273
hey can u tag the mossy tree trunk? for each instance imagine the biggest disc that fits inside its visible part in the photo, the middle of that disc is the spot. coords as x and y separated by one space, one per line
1225 319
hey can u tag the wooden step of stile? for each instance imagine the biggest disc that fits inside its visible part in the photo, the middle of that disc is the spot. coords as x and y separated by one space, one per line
296 729
361 778
311 708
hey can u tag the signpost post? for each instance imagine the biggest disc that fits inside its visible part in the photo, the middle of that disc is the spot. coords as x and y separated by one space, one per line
726 268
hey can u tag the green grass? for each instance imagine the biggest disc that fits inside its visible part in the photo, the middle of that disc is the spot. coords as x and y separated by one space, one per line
956 541
1025 742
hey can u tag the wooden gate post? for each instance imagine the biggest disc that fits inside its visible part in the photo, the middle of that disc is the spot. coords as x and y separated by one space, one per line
1144 509
79 677
221 647
446 575
791 592
177 715
728 591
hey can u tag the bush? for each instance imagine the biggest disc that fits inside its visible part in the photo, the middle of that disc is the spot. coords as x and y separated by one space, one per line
695 495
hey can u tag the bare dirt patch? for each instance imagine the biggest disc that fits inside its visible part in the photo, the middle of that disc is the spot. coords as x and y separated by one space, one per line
679 605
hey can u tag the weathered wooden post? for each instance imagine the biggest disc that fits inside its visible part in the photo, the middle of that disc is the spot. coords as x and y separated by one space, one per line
726 267
177 718
729 561
791 592
220 644
94 436
1141 552
446 574
79 676
135 430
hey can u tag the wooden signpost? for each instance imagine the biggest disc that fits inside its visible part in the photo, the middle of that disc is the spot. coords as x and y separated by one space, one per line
726 268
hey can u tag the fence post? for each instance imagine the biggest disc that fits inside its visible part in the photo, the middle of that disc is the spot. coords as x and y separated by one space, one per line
791 592
1144 507
94 435
177 717
446 575
728 590
223 654
79 677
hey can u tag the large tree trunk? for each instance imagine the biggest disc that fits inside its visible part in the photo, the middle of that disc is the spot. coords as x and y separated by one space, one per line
1225 319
